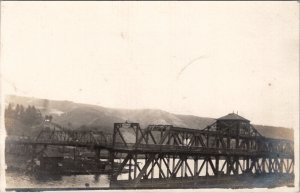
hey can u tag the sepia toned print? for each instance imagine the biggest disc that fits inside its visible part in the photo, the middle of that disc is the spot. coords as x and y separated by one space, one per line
150 95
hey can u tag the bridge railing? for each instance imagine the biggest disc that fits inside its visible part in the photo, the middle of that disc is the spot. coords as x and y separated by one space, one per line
267 147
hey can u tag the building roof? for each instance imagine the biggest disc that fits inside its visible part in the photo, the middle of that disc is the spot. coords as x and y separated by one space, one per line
233 116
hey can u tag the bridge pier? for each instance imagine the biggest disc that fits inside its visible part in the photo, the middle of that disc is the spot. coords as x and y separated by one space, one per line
98 157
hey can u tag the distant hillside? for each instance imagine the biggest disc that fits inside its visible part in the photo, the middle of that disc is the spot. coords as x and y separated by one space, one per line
275 132
75 115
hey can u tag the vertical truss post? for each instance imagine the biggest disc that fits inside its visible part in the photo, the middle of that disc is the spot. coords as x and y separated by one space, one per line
217 165
263 163
195 166
168 166
129 173
270 165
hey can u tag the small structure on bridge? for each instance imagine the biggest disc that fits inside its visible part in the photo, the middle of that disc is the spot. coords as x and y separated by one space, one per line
233 124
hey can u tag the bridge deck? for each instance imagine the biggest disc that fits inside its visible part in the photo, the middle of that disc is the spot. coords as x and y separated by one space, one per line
157 148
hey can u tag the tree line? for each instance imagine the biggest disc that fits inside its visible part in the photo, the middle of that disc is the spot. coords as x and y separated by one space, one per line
28 116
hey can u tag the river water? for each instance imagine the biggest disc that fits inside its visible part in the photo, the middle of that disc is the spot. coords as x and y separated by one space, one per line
17 179
21 180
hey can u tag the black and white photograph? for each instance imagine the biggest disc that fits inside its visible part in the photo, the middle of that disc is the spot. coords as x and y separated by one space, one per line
126 95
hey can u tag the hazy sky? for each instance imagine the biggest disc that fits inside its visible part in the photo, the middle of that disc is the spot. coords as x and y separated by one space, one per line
199 58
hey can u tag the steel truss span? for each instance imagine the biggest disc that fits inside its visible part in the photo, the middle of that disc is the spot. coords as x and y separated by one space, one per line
230 148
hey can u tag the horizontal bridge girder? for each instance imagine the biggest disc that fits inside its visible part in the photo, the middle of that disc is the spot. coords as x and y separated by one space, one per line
164 166
166 138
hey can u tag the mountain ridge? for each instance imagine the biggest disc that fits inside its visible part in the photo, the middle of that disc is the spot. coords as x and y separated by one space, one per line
75 115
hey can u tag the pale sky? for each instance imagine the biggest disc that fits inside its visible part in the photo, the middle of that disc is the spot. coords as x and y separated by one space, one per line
198 58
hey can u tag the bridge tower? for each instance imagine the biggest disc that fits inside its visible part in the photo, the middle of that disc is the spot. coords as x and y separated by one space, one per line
237 127
233 123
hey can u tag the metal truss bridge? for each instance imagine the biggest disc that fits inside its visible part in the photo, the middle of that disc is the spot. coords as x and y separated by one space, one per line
229 148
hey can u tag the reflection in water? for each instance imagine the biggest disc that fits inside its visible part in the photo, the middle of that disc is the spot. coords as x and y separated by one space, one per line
21 180
47 177
97 177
